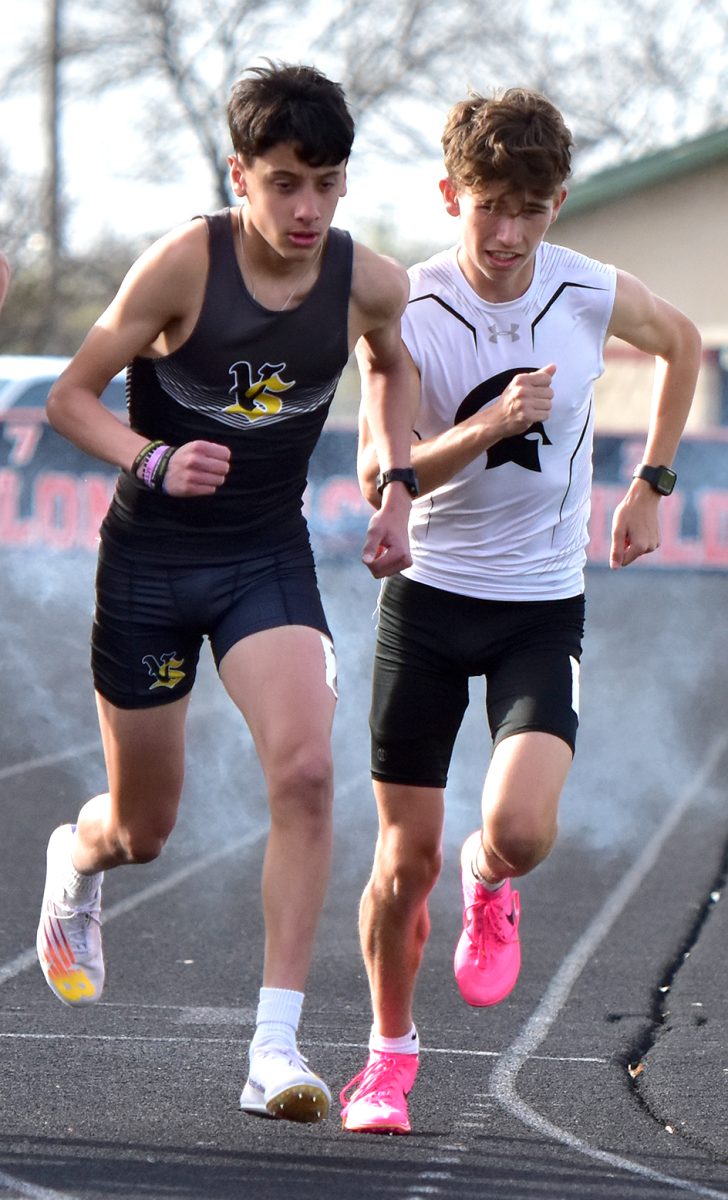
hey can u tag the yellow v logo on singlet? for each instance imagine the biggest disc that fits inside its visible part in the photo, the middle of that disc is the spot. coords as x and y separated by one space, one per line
166 671
257 397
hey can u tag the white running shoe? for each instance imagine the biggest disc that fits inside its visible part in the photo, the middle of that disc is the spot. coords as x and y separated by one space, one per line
69 936
281 1085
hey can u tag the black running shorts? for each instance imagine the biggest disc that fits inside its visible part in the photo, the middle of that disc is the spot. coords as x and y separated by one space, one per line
431 642
151 619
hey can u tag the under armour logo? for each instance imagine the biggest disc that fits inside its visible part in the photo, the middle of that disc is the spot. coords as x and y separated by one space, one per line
512 333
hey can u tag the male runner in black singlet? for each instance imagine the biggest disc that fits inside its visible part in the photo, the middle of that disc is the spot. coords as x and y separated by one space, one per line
235 329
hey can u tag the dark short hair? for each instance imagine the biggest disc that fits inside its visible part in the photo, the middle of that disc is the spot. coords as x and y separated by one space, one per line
517 138
281 102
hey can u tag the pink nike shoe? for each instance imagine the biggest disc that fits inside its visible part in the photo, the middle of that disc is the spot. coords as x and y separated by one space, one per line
488 954
379 1101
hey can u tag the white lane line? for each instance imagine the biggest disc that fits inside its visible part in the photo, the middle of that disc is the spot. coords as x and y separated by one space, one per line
29 957
26 958
193 1039
449 1051
502 1083
9 1184
48 760
119 1037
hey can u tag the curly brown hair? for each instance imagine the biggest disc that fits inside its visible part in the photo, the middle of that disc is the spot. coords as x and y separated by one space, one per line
517 138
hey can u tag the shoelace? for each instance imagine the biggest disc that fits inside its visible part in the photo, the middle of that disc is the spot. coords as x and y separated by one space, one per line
76 931
484 917
295 1058
377 1081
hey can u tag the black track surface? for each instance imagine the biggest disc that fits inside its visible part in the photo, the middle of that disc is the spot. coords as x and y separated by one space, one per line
605 1074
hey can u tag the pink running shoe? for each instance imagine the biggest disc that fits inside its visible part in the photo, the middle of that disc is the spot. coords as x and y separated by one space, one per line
488 954
379 1102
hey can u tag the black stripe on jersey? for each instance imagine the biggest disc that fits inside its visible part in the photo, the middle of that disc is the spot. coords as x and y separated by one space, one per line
453 313
571 460
561 288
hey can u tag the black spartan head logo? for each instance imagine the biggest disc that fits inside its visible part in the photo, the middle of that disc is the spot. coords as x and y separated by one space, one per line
522 448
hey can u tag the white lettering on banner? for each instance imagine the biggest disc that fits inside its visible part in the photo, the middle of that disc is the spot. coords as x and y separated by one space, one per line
706 550
64 510
714 522
24 439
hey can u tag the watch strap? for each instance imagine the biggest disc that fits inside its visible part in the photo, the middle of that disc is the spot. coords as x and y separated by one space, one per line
661 479
405 475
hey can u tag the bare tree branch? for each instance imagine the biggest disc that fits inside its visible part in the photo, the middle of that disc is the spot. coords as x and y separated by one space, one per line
630 76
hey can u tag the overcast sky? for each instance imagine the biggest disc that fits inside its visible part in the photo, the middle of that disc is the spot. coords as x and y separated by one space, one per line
104 196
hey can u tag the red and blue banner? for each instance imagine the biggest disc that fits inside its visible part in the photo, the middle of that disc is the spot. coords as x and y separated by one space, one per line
53 496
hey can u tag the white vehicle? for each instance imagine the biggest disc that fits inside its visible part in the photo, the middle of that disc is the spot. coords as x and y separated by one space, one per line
52 495
26 379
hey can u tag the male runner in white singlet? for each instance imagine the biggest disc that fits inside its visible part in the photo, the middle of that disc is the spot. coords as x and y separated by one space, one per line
235 329
504 339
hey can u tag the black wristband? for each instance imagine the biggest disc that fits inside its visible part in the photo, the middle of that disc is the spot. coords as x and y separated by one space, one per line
144 454
154 465
160 469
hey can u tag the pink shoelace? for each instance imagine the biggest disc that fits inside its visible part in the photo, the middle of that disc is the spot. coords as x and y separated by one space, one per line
488 920
378 1081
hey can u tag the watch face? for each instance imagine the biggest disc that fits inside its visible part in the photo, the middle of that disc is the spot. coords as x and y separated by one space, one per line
662 479
665 481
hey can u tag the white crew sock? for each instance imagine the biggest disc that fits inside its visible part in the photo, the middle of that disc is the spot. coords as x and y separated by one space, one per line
409 1043
79 889
279 1011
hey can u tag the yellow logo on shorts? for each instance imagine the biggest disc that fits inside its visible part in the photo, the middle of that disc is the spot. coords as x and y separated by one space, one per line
166 672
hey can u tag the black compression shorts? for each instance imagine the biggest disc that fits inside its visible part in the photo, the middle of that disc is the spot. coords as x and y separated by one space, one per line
151 619
431 642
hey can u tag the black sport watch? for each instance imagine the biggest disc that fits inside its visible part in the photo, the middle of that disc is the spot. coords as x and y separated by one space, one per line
405 475
661 479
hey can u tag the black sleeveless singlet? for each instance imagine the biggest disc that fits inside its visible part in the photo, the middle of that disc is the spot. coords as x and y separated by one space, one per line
260 382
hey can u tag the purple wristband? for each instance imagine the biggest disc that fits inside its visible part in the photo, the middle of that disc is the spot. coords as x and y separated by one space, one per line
143 455
150 464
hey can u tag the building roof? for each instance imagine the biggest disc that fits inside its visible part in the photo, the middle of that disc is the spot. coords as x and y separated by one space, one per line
659 167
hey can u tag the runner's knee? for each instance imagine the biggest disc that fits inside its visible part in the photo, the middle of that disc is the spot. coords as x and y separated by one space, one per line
301 784
406 874
139 848
521 846
142 842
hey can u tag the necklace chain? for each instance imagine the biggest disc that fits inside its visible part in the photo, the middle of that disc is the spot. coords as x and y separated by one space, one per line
246 266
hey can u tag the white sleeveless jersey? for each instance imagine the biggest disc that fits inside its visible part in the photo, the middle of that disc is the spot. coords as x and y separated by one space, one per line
512 525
